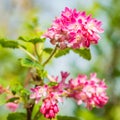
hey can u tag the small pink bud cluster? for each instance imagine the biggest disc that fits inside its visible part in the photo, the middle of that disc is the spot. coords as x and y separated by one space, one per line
74 29
50 99
49 108
91 91
12 106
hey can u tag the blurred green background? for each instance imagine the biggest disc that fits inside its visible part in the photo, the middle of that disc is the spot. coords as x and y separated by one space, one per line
18 17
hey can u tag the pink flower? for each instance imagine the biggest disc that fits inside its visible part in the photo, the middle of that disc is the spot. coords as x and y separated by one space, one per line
62 85
49 108
90 91
12 106
78 82
74 29
38 92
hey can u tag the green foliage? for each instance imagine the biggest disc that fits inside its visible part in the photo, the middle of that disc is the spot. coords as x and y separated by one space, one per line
24 94
67 118
114 112
85 53
62 52
16 86
116 72
36 114
12 99
26 62
87 114
43 118
52 83
18 89
33 39
42 73
16 116
48 50
59 53
8 43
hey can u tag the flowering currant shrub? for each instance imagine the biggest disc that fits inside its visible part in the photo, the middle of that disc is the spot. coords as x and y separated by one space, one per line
72 31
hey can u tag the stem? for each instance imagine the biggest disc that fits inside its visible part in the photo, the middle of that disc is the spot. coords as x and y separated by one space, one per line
28 77
40 48
51 55
36 51
29 54
29 112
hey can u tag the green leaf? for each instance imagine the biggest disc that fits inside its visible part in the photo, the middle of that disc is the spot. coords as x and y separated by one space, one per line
16 116
43 73
8 43
12 99
59 52
36 114
85 53
67 118
24 94
34 40
52 83
26 62
48 50
62 52
15 86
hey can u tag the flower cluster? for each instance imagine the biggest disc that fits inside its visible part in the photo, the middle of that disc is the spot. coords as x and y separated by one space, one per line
74 29
91 91
49 107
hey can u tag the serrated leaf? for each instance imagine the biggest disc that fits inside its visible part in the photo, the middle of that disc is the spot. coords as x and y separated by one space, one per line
67 118
59 52
16 116
34 40
9 43
26 62
48 50
62 52
85 53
